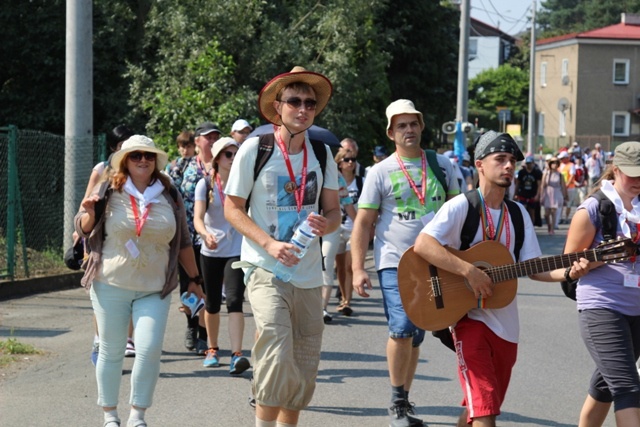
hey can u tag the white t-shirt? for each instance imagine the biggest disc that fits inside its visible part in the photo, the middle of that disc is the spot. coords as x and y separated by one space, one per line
401 215
445 228
228 239
274 210
353 194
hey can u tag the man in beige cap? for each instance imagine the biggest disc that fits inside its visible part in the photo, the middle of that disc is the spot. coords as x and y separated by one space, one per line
400 195
289 188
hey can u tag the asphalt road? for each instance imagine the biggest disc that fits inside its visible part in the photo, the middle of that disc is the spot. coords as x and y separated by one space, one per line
548 385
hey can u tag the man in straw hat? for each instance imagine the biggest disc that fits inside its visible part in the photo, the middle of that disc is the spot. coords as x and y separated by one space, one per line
486 339
289 188
400 195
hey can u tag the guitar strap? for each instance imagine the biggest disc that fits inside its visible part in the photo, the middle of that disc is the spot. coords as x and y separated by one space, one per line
468 233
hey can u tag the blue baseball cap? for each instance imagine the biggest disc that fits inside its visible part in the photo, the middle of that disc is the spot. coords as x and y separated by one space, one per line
380 151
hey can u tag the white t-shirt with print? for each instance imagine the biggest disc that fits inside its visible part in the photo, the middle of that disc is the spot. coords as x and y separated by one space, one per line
401 216
228 239
274 210
446 227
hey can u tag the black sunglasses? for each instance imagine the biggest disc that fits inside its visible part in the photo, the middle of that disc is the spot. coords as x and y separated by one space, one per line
229 154
349 159
136 156
295 102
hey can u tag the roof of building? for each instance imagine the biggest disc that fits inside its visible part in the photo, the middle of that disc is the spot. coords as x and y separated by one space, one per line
622 31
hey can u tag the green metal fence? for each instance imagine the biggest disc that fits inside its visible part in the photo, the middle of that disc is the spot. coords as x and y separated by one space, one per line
32 196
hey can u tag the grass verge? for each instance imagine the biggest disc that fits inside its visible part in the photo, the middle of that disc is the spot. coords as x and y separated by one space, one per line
11 349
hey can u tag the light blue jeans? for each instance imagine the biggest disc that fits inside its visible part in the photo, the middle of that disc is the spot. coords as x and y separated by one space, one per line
113 307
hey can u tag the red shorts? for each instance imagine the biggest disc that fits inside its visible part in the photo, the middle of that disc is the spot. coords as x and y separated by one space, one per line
485 362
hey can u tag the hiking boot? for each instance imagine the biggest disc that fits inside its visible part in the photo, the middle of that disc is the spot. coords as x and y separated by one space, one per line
201 347
326 317
130 349
413 420
211 360
190 338
398 415
238 364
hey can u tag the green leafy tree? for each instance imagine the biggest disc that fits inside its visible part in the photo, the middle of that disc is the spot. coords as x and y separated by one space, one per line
506 86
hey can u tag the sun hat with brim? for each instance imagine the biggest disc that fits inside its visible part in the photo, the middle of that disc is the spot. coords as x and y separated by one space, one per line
320 84
139 143
553 160
627 158
403 106
221 144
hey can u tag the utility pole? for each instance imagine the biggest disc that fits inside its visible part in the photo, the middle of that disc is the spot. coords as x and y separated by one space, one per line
78 124
459 143
531 134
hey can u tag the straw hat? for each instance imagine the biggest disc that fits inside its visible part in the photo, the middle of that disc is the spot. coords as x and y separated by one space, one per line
139 143
320 84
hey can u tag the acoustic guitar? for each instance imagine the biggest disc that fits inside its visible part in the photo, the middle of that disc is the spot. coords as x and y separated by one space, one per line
435 299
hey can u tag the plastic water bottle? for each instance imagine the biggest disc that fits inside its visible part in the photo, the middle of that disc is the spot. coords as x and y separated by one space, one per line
302 239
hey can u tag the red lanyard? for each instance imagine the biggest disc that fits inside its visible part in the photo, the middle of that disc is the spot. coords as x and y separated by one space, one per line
299 191
136 216
201 166
421 196
220 192
488 229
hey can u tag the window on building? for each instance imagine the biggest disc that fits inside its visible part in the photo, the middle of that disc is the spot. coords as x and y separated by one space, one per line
562 130
620 71
565 67
541 124
543 74
473 48
620 123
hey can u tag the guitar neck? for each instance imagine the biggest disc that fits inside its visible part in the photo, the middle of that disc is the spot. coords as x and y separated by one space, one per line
538 265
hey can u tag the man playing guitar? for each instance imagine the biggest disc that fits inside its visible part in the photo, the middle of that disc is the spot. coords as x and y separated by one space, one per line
486 339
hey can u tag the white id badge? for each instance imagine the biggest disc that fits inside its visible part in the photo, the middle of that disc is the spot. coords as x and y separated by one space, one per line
632 280
132 248
426 219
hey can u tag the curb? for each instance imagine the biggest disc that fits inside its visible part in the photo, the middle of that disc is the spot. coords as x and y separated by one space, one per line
26 287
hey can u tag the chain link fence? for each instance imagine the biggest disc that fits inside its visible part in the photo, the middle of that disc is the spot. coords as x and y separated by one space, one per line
32 199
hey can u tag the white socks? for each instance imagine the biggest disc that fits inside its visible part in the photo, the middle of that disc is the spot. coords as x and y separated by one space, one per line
111 418
263 423
136 414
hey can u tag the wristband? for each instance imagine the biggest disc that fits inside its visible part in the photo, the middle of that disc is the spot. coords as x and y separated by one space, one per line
567 275
197 280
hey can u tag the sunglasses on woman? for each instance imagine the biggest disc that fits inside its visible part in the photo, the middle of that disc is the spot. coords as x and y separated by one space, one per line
295 102
349 159
136 156
229 154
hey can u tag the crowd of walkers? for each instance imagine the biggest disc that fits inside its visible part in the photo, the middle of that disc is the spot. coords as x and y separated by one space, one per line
218 220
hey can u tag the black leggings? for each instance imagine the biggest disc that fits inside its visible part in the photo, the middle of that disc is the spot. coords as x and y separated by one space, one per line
215 272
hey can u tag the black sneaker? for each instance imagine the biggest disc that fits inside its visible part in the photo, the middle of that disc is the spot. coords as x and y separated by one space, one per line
413 420
398 415
190 338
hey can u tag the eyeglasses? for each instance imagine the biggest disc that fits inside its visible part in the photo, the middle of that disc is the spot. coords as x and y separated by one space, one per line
136 156
349 159
229 154
295 102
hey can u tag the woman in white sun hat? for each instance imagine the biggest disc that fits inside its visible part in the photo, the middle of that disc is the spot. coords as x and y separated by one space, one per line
136 226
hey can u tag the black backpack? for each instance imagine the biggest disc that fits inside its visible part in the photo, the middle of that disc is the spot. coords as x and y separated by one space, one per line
265 150
609 221
469 230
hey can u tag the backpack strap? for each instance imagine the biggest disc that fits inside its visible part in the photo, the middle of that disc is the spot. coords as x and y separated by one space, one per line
472 222
359 183
608 215
432 160
515 213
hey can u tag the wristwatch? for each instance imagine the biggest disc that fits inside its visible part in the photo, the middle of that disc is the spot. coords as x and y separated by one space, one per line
197 280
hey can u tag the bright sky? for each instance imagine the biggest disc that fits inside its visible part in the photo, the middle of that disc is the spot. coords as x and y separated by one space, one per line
510 16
